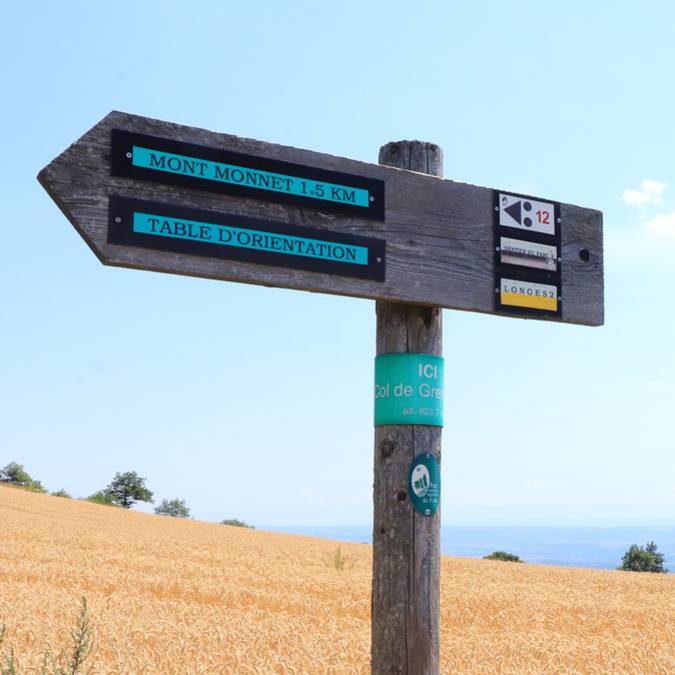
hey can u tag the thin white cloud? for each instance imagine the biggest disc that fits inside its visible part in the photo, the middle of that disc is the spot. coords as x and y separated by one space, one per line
639 245
649 193
662 225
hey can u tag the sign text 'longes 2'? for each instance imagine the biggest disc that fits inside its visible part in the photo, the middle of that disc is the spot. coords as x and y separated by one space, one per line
158 196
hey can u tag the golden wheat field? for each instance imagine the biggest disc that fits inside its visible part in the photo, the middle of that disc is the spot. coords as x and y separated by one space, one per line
175 596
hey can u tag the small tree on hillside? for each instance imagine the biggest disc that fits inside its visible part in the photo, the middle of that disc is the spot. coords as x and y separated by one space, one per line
102 497
16 475
647 559
235 522
128 488
175 508
61 493
502 555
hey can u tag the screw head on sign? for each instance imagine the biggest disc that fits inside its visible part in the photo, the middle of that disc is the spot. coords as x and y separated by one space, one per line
496 208
118 219
372 199
559 298
559 259
496 290
497 248
128 155
427 512
378 259
558 220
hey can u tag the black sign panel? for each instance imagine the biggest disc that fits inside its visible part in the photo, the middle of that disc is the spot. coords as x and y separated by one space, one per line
165 227
527 237
163 160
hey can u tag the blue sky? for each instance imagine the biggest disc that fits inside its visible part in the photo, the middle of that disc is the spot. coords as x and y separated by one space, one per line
257 403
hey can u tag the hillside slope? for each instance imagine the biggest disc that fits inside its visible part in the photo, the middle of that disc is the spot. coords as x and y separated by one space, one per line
173 596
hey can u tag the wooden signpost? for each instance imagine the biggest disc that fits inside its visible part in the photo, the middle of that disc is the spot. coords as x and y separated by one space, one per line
158 196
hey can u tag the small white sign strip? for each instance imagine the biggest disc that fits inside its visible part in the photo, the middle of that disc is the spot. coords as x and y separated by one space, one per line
528 254
528 294
526 214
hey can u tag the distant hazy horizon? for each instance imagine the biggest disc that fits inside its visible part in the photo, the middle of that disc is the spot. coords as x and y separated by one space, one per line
597 547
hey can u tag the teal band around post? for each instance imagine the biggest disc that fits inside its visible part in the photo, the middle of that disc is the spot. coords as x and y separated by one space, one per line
409 389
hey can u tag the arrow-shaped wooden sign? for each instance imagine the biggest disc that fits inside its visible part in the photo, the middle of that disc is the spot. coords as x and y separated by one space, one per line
164 197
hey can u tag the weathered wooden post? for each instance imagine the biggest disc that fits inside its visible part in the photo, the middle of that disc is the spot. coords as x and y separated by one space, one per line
406 543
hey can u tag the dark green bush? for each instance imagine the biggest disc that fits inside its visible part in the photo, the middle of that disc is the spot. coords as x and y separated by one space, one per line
236 523
61 493
502 555
15 474
175 508
102 497
647 559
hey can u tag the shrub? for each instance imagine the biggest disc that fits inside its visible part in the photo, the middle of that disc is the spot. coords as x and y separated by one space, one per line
236 523
173 507
61 493
647 559
502 555
15 474
102 497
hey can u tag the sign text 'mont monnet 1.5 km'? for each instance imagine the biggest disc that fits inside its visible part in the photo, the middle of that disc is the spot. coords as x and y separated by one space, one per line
165 160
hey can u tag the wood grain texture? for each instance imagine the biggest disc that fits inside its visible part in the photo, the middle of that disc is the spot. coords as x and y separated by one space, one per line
438 232
406 544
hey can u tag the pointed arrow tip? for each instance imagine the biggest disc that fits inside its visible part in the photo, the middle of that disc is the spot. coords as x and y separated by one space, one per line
514 211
